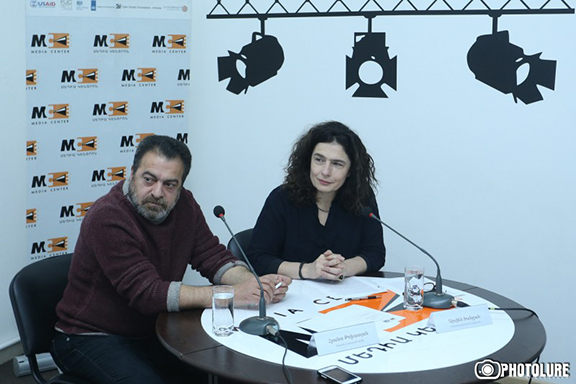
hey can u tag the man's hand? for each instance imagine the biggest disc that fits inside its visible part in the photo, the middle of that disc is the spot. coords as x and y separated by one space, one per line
248 291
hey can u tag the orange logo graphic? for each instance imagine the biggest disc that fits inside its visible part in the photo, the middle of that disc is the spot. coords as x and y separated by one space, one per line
116 173
60 40
31 148
142 136
82 208
147 75
58 244
120 41
89 143
177 42
31 78
59 179
175 106
88 76
31 216
59 111
118 108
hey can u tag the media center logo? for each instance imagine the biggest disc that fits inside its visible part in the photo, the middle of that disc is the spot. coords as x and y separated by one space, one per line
169 44
54 247
141 77
128 143
53 113
113 110
50 43
108 177
53 182
81 146
168 109
74 213
79 78
112 43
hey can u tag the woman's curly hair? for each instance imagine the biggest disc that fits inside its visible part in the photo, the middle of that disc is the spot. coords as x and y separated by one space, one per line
358 189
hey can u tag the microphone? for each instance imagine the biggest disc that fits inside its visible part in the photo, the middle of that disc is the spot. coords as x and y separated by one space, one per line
260 325
437 298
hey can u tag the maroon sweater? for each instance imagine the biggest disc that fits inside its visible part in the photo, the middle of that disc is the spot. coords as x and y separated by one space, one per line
123 265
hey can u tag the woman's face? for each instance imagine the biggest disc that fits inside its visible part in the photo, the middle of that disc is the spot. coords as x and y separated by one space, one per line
329 167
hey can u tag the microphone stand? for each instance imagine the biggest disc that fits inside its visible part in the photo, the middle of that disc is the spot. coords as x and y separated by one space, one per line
260 325
433 299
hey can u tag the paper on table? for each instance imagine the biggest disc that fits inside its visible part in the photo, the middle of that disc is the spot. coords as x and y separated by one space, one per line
349 287
348 316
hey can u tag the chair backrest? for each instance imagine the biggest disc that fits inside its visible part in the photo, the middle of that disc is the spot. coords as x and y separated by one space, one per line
244 240
34 292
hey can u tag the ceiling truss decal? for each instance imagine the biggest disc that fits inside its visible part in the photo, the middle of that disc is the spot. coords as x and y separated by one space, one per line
492 58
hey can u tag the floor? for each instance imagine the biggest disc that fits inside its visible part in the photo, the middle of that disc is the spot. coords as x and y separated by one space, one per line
7 375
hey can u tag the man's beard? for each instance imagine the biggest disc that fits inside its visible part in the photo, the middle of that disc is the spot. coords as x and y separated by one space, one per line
154 213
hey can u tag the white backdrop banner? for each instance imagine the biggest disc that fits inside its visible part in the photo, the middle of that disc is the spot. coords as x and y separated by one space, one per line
99 78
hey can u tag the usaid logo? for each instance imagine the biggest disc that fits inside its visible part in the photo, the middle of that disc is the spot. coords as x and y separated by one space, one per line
42 4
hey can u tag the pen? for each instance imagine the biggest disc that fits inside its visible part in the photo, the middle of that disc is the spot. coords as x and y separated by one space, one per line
362 298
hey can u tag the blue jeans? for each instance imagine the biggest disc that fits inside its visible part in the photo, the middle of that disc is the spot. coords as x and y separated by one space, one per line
117 359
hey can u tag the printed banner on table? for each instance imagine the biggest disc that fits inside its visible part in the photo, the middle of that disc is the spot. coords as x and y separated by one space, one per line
406 342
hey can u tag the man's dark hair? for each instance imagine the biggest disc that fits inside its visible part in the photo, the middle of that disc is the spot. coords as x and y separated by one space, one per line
164 146
358 189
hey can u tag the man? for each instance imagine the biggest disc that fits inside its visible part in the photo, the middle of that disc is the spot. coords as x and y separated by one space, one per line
132 252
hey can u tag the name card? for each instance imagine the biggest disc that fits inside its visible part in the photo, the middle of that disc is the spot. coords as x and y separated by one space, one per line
460 318
342 339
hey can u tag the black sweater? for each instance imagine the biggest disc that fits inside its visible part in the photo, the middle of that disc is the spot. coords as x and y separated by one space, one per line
285 232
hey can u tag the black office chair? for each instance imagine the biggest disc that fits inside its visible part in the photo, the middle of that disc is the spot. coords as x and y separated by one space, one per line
244 240
34 292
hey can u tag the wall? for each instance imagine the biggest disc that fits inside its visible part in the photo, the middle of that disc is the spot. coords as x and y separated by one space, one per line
12 147
486 185
482 183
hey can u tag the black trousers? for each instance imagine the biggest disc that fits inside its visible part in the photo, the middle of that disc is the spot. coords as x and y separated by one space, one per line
117 359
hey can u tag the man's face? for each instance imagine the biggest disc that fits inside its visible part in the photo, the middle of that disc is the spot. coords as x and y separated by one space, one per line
155 186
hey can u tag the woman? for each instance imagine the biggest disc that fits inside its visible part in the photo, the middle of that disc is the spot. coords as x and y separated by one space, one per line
310 226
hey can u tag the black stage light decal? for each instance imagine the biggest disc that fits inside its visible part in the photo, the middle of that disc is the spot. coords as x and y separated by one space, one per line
495 62
260 60
370 47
